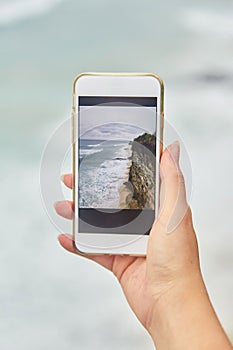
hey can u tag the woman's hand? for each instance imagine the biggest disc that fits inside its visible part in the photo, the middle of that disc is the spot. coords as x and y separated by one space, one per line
165 289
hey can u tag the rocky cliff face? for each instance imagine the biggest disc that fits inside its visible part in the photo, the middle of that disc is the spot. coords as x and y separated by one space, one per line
142 172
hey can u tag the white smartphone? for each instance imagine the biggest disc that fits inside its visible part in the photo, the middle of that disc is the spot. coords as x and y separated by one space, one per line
117 138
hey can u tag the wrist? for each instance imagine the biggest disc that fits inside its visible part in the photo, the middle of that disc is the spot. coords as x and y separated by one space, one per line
176 308
183 318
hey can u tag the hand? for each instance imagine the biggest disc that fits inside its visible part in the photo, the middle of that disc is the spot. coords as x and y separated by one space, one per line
158 285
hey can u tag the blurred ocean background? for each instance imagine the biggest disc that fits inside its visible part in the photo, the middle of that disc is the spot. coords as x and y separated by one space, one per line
48 298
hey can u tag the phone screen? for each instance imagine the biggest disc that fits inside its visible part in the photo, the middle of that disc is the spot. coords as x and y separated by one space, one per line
117 164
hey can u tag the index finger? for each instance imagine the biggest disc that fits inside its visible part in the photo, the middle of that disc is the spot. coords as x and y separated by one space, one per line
68 180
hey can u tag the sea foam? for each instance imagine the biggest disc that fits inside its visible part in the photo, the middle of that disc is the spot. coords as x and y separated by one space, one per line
89 151
99 186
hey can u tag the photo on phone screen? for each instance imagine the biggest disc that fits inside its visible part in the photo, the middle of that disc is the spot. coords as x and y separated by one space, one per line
117 164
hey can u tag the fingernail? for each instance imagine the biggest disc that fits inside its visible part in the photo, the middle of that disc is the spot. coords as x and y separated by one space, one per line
67 235
62 178
174 150
55 204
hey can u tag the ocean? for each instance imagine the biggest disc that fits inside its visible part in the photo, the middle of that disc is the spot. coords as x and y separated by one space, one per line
52 299
104 167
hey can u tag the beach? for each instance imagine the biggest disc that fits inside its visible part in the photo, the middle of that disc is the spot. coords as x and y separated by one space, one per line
126 190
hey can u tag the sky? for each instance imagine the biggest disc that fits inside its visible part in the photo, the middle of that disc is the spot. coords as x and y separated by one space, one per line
109 122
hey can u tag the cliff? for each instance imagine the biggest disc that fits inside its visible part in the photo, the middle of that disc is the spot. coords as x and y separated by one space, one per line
142 172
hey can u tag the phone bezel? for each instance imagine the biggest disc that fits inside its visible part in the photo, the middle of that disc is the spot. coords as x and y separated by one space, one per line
114 84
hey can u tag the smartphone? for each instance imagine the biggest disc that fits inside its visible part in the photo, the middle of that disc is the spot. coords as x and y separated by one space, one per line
117 135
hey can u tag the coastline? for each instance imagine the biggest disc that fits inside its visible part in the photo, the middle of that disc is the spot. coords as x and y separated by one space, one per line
138 189
126 190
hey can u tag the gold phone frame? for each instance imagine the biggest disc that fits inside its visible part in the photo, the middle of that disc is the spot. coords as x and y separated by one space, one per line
74 111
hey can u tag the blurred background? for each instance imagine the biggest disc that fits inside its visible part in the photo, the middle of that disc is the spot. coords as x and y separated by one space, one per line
50 299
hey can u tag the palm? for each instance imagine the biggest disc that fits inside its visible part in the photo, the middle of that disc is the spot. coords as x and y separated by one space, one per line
131 273
129 270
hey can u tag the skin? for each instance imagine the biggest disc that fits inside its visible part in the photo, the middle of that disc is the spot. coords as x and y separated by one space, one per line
165 289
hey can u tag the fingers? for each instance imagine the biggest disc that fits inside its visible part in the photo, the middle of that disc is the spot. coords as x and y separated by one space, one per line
173 204
66 241
68 180
65 209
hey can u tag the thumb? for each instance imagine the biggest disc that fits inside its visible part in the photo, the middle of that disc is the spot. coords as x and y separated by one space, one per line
173 203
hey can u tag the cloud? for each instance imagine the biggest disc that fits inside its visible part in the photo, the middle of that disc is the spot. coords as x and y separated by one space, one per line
113 131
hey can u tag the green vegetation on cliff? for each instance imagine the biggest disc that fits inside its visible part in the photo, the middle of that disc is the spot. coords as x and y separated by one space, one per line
147 140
